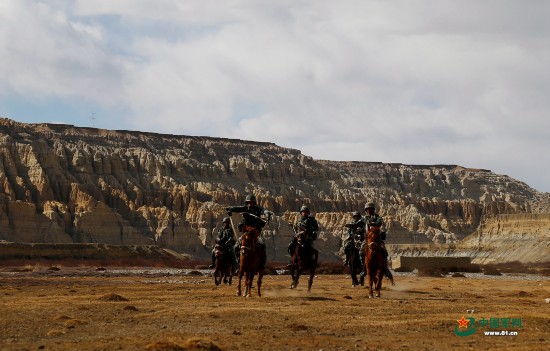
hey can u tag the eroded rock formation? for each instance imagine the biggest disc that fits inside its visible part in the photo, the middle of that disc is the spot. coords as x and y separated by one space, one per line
64 184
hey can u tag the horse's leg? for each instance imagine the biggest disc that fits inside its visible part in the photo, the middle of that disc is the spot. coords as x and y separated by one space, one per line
260 276
231 269
312 269
296 277
361 276
292 275
224 273
379 277
311 275
250 279
217 272
370 274
353 270
240 276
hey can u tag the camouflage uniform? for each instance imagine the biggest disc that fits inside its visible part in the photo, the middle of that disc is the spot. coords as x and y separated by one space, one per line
309 225
251 221
226 238
356 226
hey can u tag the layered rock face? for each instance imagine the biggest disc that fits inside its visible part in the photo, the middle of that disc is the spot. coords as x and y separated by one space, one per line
505 238
64 184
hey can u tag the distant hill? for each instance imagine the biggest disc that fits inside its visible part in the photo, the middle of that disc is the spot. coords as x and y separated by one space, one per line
67 184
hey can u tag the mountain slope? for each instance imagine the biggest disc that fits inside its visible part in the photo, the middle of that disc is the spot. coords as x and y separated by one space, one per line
62 184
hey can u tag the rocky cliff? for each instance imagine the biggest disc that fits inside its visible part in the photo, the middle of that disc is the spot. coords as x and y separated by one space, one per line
65 184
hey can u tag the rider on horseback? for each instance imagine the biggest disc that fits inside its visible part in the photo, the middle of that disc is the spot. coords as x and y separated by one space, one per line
307 224
374 223
355 227
225 238
252 222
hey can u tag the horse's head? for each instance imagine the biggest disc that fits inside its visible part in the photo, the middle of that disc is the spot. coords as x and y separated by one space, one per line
373 238
248 242
301 238
218 251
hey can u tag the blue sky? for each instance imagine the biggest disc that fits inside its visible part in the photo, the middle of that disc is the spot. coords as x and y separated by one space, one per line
415 82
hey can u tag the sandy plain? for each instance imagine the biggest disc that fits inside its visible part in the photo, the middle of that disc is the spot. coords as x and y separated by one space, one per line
84 309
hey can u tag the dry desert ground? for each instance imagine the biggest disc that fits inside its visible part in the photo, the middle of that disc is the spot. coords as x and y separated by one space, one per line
144 310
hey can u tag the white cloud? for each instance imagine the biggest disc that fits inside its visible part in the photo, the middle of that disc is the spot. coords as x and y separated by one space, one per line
434 81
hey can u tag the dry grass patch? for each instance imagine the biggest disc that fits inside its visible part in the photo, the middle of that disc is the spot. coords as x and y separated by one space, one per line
71 323
113 297
196 344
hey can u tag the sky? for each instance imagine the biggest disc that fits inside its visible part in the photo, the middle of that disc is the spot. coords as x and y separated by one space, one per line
416 82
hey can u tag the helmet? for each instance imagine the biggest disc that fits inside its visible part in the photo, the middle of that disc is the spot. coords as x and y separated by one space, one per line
304 208
369 205
355 214
250 198
226 220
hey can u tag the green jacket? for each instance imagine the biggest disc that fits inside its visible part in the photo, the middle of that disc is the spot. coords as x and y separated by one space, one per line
309 225
373 220
356 227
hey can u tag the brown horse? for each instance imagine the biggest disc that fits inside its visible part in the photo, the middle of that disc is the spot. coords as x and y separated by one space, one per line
374 260
223 266
250 261
303 258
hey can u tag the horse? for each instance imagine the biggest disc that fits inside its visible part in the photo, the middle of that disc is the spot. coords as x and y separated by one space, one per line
374 261
250 261
223 266
355 265
303 259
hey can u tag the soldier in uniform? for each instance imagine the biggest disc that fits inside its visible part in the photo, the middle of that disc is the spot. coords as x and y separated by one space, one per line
226 238
253 221
356 226
309 225
375 222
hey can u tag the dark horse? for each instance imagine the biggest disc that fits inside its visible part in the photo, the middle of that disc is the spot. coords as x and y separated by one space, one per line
250 261
355 265
303 258
373 257
223 266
